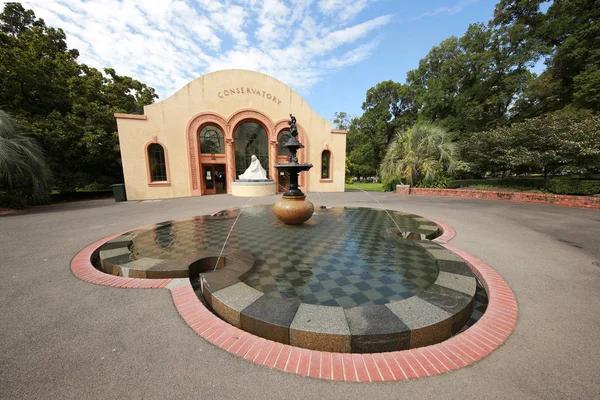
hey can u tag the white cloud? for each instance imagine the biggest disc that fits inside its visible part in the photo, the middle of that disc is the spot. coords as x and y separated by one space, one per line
446 10
344 10
167 43
353 56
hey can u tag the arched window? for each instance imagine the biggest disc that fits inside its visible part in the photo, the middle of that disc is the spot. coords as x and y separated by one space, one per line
250 138
211 140
282 139
158 166
326 164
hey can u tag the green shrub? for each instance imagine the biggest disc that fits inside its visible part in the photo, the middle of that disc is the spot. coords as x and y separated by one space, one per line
573 186
519 184
13 200
559 185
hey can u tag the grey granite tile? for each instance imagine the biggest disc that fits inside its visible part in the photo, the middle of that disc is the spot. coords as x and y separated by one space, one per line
270 318
428 323
238 296
323 319
230 301
113 253
417 313
376 329
142 263
449 300
454 267
321 328
215 281
444 254
460 283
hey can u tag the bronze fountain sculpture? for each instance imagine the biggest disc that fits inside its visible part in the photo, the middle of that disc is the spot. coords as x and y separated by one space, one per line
293 208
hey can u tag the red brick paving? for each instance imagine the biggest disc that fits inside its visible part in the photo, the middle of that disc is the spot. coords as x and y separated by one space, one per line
337 364
326 365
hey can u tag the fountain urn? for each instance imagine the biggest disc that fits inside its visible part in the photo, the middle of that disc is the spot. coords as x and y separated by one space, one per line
293 208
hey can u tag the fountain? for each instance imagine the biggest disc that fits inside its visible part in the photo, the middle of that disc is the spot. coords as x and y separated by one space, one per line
293 208
352 280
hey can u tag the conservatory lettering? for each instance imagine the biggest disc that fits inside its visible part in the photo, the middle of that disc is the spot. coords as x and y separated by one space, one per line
247 90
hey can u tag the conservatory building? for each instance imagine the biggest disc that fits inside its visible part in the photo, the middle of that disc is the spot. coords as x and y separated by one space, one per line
199 140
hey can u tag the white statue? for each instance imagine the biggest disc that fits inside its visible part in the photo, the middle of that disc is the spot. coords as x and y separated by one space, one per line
255 171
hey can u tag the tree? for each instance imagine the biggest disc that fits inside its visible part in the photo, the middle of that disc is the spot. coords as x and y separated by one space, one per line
348 171
567 141
341 120
362 150
421 155
387 108
541 96
567 35
22 165
572 30
517 24
68 106
14 19
467 84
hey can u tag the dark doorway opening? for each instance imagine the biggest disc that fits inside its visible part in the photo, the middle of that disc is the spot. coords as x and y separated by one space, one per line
220 179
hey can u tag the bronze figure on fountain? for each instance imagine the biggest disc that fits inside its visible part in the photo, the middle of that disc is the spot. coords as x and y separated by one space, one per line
293 208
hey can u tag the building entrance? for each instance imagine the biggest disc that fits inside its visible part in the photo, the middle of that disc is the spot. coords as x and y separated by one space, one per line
214 179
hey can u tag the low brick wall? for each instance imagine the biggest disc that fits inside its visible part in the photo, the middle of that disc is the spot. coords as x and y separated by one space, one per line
519 197
403 189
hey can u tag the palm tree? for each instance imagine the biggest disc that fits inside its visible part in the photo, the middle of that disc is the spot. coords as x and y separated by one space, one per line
22 164
422 154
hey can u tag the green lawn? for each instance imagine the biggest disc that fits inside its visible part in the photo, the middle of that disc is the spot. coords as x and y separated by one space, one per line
369 187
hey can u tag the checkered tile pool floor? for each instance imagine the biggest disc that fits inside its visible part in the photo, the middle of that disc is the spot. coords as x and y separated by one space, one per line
341 257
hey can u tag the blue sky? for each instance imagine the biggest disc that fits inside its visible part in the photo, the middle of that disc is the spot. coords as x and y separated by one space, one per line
416 27
330 51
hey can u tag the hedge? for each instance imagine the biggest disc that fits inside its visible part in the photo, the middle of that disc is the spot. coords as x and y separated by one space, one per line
573 186
519 183
586 187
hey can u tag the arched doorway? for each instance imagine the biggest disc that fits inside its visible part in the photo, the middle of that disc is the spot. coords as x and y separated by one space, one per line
212 159
254 132
250 138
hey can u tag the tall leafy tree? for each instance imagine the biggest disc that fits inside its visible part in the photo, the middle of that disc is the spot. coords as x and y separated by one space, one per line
341 120
568 35
67 105
572 31
362 150
388 107
468 84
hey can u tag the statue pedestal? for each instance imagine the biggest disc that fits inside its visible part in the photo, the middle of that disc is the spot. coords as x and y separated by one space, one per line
244 188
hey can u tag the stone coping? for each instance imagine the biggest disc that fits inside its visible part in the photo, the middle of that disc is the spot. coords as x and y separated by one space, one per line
461 350
429 317
433 315
114 257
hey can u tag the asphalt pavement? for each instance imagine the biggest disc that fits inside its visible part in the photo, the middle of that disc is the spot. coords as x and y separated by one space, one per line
61 337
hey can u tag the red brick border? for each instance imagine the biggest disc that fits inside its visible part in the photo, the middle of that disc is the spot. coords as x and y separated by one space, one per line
486 335
518 197
82 268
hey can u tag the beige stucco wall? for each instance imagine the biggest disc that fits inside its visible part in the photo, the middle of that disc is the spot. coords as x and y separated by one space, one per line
167 123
